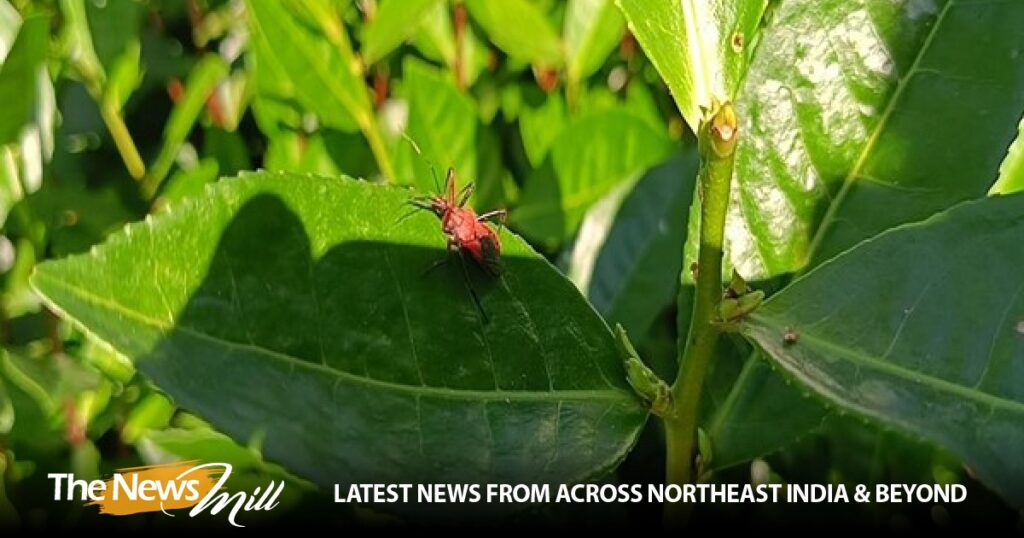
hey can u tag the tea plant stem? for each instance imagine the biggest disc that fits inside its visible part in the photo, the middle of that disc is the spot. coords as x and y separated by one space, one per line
334 29
371 130
717 142
123 140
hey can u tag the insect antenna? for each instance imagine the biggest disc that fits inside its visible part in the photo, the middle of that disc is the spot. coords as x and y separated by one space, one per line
433 170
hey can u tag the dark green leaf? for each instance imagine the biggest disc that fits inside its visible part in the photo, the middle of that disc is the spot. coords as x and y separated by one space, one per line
114 28
627 256
932 340
700 47
394 22
761 412
589 157
875 137
520 28
302 301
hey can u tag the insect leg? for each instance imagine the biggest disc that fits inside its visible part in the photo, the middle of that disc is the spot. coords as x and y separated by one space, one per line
443 261
472 291
418 204
501 215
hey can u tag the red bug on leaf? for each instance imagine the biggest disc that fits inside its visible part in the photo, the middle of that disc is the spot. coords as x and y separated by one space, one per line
467 232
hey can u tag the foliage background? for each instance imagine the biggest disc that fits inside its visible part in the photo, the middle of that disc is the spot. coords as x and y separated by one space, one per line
122 107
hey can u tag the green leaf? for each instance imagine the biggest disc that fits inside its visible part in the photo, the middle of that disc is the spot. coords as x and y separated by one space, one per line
324 75
19 74
589 157
200 84
519 28
298 307
699 47
436 40
593 28
394 22
907 94
905 121
540 125
932 340
290 151
113 29
443 124
1011 172
758 412
627 257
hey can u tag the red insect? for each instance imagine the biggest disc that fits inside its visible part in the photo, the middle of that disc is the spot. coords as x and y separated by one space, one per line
467 232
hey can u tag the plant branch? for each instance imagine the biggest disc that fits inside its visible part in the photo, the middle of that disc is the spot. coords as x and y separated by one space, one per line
123 140
717 144
371 130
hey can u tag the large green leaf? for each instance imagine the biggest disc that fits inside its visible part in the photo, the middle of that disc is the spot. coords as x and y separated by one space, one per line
442 122
394 22
592 30
324 75
298 308
759 412
627 257
906 122
700 47
895 121
589 157
520 28
932 339
19 73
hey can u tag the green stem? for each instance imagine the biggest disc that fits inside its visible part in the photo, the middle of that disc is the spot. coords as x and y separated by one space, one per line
123 140
371 130
717 141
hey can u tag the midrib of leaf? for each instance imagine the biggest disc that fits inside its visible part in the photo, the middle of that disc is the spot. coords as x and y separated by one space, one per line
611 395
869 146
879 364
695 14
